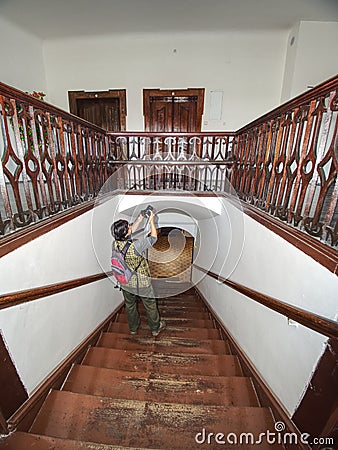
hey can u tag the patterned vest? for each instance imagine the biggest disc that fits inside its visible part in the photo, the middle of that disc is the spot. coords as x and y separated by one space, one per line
136 262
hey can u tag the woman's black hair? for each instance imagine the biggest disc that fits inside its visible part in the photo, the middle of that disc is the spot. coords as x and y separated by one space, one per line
119 230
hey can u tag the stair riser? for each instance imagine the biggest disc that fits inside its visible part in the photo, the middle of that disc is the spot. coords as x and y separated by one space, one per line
175 322
230 391
164 345
214 365
198 333
154 425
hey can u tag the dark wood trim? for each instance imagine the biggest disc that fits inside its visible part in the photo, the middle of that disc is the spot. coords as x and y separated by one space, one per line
175 135
12 92
264 393
132 162
321 397
12 390
3 424
17 298
308 319
197 92
121 94
22 419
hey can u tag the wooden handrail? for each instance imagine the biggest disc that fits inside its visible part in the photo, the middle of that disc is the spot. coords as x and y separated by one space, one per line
40 104
308 319
28 295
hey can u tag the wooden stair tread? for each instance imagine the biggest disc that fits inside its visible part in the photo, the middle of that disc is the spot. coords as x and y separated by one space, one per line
25 441
145 392
165 344
179 331
177 321
194 313
163 363
146 424
208 390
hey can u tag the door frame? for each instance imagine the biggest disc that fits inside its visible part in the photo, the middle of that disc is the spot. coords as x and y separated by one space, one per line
121 94
189 92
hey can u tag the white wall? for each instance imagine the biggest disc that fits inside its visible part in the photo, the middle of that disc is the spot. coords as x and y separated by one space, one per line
312 57
21 56
41 333
247 66
285 355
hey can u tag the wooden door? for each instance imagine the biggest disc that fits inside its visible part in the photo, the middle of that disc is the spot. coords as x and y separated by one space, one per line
173 111
107 109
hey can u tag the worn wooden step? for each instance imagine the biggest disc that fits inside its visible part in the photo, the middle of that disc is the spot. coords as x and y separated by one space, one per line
178 321
163 363
179 331
193 313
175 304
165 344
26 441
145 424
189 389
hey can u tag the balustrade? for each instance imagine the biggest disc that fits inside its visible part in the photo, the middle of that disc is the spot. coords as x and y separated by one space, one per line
50 160
284 163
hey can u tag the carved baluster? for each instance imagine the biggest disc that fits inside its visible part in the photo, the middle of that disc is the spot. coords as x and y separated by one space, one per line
33 160
290 164
327 171
257 177
7 222
24 216
275 149
282 164
317 172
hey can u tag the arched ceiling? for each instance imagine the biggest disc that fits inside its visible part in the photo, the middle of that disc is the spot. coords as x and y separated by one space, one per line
53 19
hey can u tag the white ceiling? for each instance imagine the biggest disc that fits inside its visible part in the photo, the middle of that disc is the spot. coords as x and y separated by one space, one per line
50 19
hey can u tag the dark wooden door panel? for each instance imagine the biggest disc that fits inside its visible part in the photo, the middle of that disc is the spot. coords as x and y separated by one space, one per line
185 114
161 114
107 109
174 110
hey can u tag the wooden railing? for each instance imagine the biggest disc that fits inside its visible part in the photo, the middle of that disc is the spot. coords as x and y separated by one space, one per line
284 163
308 319
50 160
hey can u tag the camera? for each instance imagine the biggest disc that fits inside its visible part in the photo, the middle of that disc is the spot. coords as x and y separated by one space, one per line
146 212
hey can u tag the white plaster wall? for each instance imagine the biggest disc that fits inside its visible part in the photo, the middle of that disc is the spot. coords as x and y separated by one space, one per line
41 333
291 55
285 355
247 66
21 56
312 58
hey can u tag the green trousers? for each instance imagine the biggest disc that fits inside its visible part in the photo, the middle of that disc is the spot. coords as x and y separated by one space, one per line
148 299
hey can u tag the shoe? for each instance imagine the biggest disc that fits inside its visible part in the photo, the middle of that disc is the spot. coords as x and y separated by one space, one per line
163 325
135 332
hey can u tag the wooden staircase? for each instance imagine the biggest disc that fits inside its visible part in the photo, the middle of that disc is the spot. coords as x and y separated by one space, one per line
137 391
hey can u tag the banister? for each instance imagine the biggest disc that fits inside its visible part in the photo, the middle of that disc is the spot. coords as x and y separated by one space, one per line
28 295
283 163
41 104
308 319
